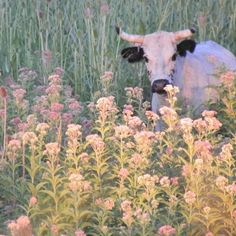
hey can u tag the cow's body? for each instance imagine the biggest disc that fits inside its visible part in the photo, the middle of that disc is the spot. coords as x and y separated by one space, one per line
197 73
171 59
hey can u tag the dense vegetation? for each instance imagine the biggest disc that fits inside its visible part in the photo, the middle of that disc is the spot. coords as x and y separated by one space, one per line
79 152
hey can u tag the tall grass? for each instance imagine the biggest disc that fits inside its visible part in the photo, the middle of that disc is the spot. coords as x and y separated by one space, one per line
44 34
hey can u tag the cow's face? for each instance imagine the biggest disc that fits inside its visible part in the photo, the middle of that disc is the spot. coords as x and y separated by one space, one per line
159 51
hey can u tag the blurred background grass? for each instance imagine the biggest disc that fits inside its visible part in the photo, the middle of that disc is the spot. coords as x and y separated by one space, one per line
79 36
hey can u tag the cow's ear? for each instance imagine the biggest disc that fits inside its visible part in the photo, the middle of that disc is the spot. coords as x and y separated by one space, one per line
133 54
186 45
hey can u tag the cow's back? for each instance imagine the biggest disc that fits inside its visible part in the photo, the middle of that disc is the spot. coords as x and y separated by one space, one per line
196 73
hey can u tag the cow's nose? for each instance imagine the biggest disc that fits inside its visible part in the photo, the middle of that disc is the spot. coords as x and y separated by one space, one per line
159 85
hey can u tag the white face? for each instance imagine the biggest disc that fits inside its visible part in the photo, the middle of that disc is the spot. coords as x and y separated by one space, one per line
159 49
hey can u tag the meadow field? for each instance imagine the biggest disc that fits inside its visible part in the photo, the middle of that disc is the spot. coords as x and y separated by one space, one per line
79 153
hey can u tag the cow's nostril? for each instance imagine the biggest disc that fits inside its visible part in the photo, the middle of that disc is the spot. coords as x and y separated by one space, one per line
159 85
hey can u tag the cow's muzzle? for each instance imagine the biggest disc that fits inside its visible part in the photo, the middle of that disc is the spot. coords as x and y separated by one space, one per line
159 85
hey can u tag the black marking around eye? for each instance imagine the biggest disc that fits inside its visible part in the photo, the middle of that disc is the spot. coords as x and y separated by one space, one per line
133 54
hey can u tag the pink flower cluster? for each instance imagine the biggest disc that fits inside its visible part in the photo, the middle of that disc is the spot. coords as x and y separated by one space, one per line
128 112
203 149
84 157
209 123
221 182
96 142
130 214
54 88
33 201
142 216
74 106
225 153
14 145
165 181
135 92
231 189
42 128
144 140
21 226
108 203
148 181
135 123
78 183
186 125
152 116
67 118
106 106
209 234
228 78
168 114
19 94
80 232
127 212
73 131
138 161
52 149
31 120
174 181
107 76
123 173
54 229
29 138
40 105
123 131
57 107
190 197
186 170
55 111
167 230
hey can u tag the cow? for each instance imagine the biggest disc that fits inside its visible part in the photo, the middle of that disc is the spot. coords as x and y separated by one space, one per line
173 58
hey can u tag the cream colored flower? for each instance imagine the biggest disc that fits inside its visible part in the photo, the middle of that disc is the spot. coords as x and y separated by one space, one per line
73 131
190 197
52 149
221 182
123 131
29 138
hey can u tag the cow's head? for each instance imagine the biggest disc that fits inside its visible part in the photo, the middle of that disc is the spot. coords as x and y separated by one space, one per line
159 50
